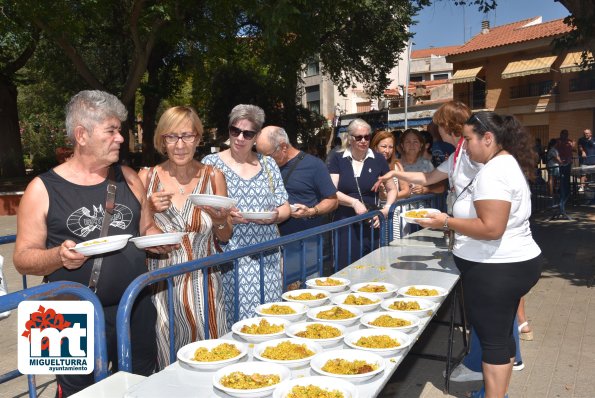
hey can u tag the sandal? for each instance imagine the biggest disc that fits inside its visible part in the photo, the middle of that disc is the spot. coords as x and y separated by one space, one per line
527 336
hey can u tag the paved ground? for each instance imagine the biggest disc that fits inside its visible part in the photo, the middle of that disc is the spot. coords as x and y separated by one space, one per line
560 362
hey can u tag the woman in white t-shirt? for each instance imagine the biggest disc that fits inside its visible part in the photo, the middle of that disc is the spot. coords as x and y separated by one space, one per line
494 249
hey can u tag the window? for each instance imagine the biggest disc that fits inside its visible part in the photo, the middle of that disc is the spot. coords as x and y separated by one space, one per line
312 69
418 78
313 98
441 76
534 89
584 81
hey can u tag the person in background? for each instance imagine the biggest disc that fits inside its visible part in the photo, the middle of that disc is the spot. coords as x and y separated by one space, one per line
498 259
168 187
354 172
311 192
441 149
553 162
255 182
65 206
586 151
384 143
427 147
337 146
565 147
412 148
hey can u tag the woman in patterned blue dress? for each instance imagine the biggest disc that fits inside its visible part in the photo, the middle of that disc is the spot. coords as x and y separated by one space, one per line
255 182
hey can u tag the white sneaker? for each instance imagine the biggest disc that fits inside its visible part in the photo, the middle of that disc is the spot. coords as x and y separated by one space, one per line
3 288
518 365
462 373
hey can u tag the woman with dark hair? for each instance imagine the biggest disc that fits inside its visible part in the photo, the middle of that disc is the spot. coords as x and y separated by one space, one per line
412 150
384 143
494 250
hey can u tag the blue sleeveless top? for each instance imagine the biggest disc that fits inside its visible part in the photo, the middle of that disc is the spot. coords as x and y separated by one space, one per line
76 212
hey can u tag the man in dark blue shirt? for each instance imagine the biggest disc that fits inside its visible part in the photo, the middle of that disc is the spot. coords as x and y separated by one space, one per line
312 193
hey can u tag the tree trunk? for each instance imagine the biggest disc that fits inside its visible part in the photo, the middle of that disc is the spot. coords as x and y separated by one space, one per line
152 101
11 159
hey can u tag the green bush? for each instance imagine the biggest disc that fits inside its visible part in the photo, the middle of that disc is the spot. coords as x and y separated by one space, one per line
40 137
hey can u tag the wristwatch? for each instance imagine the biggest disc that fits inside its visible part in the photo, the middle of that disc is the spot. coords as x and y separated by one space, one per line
445 226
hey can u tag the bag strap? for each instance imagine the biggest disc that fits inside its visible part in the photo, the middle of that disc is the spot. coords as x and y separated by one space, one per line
110 203
300 156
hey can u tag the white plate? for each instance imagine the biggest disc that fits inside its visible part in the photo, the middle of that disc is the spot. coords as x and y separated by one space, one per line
311 283
366 319
292 364
414 220
103 245
310 303
258 215
300 310
319 360
340 300
312 314
250 368
403 339
257 338
186 354
170 238
292 331
442 292
327 383
390 288
427 306
212 200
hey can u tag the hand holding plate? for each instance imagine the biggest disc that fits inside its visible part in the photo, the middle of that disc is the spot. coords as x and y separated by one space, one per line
70 259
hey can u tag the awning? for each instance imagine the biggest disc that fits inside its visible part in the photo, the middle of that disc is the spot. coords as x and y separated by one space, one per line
526 67
572 62
465 75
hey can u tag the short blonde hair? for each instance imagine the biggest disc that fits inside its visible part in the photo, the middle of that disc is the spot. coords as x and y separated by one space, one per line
171 119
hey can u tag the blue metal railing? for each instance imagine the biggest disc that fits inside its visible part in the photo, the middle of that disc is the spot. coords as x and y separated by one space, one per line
133 290
435 201
48 291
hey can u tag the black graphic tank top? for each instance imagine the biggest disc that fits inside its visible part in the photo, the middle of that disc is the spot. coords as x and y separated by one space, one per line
76 212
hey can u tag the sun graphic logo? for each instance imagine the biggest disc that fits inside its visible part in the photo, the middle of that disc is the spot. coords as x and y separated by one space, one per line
56 337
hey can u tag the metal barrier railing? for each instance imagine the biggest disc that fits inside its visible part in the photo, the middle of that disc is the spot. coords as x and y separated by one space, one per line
151 277
11 239
435 201
51 290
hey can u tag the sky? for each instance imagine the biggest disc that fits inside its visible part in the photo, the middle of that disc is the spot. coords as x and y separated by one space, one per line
442 23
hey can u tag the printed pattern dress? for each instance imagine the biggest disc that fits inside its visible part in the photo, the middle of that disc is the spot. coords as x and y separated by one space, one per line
263 192
188 295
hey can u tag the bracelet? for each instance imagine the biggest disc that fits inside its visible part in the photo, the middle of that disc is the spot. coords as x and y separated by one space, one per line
315 211
445 226
221 226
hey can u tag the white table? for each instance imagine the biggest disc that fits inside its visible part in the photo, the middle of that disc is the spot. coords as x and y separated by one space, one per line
402 265
111 387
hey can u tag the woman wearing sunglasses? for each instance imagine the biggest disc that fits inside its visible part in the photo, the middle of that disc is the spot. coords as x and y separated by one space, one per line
168 186
255 182
354 172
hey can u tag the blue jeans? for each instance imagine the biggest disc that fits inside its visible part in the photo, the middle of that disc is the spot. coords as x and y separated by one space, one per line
473 359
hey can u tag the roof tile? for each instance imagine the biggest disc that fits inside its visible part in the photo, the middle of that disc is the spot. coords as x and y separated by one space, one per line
438 51
516 32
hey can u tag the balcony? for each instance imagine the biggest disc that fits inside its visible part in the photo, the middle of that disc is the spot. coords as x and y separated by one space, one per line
536 89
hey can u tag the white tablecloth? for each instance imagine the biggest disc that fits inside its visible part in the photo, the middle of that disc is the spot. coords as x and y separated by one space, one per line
407 264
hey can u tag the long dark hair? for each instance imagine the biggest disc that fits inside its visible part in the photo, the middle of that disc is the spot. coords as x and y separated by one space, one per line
510 136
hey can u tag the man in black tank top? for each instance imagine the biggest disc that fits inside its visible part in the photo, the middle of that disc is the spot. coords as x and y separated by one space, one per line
65 206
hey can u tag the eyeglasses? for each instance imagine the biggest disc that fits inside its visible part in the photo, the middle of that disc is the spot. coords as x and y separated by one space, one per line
174 138
474 119
361 137
235 132
274 152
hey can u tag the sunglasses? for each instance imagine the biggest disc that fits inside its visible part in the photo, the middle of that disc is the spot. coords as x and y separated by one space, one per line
361 137
235 132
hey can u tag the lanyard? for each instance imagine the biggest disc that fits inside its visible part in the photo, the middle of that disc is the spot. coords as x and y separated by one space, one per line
455 164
